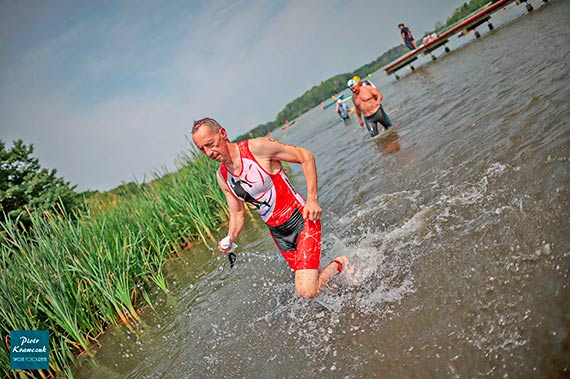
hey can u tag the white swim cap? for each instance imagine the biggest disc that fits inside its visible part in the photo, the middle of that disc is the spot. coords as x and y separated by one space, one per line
351 83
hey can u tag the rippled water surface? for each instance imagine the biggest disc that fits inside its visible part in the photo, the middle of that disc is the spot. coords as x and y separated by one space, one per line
456 224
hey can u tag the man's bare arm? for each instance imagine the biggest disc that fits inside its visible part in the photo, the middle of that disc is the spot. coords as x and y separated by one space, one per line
236 208
357 111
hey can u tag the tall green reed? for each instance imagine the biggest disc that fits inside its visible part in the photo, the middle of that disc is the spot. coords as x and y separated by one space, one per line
76 277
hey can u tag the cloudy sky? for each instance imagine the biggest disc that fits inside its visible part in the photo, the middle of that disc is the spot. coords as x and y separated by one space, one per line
106 91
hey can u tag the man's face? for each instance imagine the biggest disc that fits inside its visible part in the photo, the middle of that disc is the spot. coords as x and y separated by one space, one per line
356 88
211 143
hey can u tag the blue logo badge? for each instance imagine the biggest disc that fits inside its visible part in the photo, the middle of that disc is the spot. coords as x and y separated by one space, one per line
29 349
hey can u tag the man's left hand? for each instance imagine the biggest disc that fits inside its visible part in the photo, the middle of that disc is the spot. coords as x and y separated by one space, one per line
312 210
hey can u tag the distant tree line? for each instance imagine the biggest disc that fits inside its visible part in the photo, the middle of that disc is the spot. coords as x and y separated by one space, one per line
466 9
320 93
460 13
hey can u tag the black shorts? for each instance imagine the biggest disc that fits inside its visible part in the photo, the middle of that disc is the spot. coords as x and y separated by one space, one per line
379 117
299 241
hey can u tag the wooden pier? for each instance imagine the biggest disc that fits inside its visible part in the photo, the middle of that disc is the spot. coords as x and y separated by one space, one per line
468 24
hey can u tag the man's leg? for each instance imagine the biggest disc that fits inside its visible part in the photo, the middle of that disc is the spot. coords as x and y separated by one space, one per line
309 278
309 283
383 118
372 126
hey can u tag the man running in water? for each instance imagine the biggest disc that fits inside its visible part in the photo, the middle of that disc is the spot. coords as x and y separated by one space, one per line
367 100
293 222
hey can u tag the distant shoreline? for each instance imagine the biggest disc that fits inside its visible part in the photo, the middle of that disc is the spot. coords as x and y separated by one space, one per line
314 96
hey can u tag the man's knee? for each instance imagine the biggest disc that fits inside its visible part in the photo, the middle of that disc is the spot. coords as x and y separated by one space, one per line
307 283
307 292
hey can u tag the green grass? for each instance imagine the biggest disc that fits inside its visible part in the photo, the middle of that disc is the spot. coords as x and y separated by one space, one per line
77 277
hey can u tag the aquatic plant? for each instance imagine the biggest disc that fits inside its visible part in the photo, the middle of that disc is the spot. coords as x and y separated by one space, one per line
77 274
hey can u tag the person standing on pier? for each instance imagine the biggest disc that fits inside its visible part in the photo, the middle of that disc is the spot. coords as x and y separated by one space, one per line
251 172
406 34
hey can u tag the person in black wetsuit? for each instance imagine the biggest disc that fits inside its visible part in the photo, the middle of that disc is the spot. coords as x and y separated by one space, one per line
367 102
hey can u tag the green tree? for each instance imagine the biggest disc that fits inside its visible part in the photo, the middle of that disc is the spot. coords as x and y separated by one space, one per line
24 185
465 10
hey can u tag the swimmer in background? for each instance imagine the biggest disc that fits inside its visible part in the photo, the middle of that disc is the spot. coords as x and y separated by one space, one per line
368 102
342 110
428 38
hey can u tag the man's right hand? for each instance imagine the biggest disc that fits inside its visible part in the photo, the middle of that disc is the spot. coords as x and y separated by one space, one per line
226 245
223 250
361 122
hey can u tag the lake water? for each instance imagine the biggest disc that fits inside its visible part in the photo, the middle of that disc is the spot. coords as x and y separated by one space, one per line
457 225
